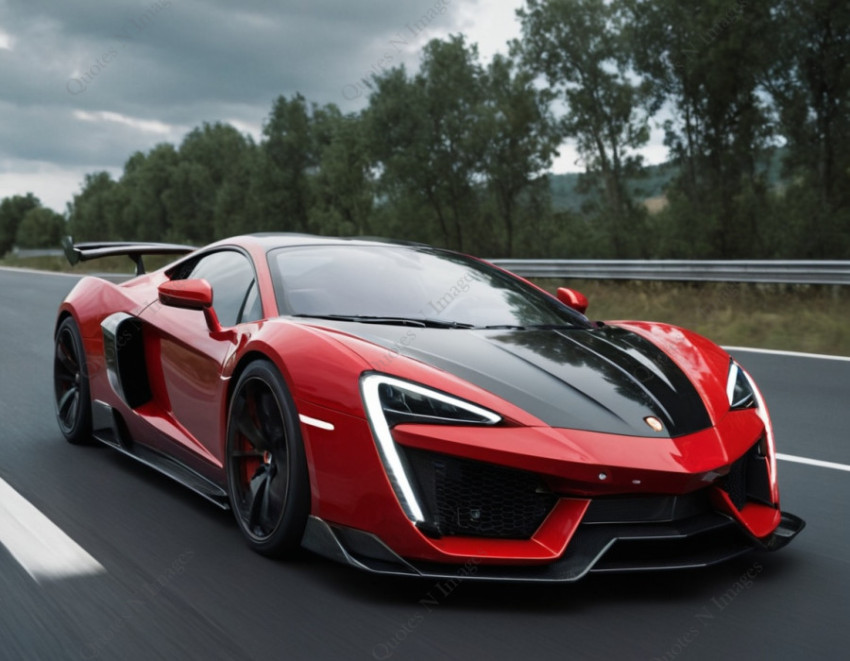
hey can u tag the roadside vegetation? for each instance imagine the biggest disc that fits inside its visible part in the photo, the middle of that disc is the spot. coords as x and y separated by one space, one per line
810 318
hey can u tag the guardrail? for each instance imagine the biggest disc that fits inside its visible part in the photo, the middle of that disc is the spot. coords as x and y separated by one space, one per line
796 272
792 272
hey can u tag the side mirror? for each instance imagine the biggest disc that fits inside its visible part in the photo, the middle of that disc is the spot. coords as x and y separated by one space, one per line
190 295
187 294
572 298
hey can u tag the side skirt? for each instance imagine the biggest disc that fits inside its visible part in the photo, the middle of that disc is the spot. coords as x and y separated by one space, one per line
109 430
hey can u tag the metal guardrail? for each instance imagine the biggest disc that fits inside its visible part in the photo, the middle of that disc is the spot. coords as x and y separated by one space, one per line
793 272
797 272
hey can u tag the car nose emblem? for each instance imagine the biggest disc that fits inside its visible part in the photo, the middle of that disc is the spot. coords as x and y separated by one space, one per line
654 423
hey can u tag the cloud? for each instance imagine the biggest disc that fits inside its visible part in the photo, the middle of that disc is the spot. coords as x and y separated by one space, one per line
18 177
147 126
88 83
6 42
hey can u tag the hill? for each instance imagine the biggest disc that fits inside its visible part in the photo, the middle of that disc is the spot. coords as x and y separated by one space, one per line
651 187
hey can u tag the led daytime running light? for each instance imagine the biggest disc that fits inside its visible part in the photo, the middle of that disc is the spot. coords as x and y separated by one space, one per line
393 464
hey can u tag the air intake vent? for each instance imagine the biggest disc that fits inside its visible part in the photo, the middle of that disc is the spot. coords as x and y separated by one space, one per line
476 499
748 479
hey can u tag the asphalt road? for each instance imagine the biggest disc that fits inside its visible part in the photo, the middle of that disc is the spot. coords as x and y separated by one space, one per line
180 584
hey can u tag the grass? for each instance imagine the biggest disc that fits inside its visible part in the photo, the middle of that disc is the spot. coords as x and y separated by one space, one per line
807 318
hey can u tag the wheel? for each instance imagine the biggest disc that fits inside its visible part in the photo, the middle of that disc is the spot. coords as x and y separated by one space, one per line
71 384
267 477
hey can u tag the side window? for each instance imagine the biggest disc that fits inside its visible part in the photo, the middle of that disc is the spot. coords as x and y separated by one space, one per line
232 279
252 307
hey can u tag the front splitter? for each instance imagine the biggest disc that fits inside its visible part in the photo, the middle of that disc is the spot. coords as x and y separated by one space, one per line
698 541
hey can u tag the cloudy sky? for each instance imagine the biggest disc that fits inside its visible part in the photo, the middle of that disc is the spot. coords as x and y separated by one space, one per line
85 83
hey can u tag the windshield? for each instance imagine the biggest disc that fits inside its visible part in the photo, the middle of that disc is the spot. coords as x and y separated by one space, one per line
398 284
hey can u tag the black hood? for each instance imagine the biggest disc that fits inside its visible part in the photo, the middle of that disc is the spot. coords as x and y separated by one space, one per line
604 379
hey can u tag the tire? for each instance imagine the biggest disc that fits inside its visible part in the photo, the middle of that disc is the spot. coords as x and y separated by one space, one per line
71 384
267 480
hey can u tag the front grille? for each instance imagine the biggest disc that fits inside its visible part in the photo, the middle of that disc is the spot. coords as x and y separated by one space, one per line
477 499
748 479
643 508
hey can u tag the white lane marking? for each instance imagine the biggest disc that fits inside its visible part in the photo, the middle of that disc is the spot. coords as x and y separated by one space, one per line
796 354
38 544
321 424
813 462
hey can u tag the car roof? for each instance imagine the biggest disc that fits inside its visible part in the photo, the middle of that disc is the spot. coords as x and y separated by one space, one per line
270 240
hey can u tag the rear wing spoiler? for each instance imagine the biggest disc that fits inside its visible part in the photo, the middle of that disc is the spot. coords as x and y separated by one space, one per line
83 252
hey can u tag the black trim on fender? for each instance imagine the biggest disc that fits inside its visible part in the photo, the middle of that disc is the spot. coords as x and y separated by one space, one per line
124 352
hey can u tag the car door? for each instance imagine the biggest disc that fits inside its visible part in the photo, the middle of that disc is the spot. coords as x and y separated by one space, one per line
191 355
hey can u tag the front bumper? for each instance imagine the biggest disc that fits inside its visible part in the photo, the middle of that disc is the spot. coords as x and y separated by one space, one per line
544 504
690 539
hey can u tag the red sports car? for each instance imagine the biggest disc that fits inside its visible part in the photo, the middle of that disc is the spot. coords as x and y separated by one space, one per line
414 411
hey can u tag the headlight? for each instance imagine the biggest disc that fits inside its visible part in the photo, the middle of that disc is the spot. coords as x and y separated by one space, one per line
390 401
739 389
743 393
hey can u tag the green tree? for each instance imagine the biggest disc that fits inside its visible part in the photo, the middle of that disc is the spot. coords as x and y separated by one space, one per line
397 134
704 59
206 160
520 138
289 158
94 208
146 179
237 209
343 187
41 228
576 45
808 78
189 203
12 212
424 137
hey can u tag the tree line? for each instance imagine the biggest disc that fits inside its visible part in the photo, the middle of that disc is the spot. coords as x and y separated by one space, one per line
457 152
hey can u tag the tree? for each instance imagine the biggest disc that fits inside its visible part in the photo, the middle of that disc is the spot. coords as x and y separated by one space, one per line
520 139
146 179
12 212
94 208
343 189
237 208
424 138
704 59
288 159
396 134
41 228
576 46
808 79
206 160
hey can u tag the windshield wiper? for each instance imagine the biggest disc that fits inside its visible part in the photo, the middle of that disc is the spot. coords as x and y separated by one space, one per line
423 322
504 327
553 326
528 327
442 323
